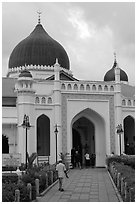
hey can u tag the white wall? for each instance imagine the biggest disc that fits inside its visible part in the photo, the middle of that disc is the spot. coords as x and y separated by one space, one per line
9 115
43 88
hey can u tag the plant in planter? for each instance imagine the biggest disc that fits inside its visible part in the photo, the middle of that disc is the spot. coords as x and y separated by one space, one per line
31 159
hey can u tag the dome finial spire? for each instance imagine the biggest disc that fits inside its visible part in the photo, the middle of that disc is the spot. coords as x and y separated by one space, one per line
115 60
39 13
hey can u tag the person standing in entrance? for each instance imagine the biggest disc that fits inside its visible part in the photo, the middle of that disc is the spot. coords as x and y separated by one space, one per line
73 152
77 158
61 169
87 159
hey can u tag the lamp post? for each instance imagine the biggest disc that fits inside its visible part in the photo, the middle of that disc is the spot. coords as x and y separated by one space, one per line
56 133
26 125
119 132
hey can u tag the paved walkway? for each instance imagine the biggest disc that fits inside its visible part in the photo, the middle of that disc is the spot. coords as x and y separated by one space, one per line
86 185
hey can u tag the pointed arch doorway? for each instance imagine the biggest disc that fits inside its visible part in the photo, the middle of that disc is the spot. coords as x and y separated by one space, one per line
43 136
88 129
83 137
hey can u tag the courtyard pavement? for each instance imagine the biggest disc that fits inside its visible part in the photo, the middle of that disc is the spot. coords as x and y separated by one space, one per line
85 185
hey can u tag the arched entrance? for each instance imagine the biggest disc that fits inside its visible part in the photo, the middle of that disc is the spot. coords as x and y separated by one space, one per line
83 137
43 135
5 144
129 135
88 132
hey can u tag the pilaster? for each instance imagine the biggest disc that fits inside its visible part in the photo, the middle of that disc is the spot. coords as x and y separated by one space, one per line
118 108
57 106
25 105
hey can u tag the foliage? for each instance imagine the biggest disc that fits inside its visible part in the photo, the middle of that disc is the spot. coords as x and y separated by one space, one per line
9 177
125 165
43 177
27 178
22 167
31 159
42 172
8 192
125 159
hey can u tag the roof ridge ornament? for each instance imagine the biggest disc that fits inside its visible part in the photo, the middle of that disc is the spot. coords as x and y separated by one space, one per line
115 59
57 61
25 66
39 20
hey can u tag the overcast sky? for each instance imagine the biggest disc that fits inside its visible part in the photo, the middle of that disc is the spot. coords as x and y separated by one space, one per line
89 32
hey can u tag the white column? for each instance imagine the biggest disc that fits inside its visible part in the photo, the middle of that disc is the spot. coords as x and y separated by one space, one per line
25 105
118 108
57 106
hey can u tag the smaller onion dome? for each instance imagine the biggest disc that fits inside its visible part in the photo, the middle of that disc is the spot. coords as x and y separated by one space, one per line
110 75
25 73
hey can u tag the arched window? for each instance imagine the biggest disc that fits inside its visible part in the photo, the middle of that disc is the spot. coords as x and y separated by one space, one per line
81 87
94 87
75 87
43 100
111 88
63 86
37 100
49 100
88 87
69 87
100 88
123 102
133 102
105 88
129 103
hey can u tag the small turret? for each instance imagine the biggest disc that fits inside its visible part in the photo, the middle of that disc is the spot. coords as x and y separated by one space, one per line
110 75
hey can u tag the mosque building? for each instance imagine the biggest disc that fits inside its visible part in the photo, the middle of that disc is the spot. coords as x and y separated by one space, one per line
63 112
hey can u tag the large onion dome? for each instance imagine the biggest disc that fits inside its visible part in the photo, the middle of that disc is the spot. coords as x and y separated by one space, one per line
38 49
110 75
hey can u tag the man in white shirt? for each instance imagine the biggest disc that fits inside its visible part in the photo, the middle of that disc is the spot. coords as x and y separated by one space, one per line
87 158
61 169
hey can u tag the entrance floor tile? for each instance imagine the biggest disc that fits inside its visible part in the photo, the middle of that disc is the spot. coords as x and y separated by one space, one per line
85 185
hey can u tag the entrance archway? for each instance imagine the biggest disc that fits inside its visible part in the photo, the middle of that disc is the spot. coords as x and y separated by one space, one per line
88 131
5 144
129 135
83 137
43 135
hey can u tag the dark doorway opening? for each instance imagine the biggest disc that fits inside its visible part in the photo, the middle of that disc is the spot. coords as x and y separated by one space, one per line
5 145
129 135
83 137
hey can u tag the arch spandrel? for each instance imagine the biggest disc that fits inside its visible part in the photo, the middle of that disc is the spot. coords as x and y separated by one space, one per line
85 113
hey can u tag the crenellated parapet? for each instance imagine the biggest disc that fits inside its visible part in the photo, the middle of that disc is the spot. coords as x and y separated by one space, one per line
87 86
128 102
17 70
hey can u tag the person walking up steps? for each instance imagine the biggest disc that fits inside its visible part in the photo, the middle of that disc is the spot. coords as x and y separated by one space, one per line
61 169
